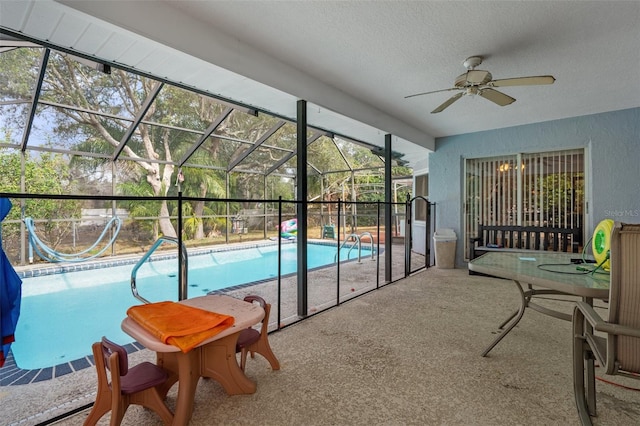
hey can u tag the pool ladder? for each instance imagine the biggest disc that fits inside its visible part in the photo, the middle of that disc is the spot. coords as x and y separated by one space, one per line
357 243
182 279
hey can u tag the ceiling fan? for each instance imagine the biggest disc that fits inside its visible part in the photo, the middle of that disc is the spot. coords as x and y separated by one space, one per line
479 82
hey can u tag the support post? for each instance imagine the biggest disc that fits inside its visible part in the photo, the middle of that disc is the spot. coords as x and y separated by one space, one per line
301 216
388 238
182 273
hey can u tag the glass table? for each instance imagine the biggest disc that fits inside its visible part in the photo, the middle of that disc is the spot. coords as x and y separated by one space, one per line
550 272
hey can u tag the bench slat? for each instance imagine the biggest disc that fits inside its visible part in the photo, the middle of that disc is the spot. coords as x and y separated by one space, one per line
525 238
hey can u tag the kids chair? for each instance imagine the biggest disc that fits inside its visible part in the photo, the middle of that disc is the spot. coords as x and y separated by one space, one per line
135 385
252 340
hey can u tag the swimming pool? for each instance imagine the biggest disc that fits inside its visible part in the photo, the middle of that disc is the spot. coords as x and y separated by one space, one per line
63 314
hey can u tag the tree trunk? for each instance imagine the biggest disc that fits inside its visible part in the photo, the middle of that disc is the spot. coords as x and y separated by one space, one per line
166 227
198 210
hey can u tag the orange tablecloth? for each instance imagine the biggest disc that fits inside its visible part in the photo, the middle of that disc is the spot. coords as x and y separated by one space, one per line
179 324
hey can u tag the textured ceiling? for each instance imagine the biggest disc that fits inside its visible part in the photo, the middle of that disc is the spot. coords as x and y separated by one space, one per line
361 59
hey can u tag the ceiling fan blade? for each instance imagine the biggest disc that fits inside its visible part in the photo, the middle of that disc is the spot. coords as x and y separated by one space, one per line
496 97
447 103
523 81
475 77
435 91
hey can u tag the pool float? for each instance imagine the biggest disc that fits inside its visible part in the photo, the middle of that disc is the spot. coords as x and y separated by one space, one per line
289 228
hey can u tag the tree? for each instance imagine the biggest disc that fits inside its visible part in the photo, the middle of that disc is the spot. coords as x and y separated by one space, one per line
45 174
87 111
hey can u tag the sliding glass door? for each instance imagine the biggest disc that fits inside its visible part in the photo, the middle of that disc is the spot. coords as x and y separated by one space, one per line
532 189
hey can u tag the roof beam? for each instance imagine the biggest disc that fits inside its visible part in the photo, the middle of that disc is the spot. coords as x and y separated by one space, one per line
316 134
255 146
34 100
136 122
212 128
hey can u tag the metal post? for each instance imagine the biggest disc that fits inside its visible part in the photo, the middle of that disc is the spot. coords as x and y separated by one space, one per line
338 253
113 203
354 206
264 208
387 208
226 218
23 229
279 262
378 244
182 271
302 195
322 222
407 238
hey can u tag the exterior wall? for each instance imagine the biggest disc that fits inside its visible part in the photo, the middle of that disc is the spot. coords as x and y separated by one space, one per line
612 143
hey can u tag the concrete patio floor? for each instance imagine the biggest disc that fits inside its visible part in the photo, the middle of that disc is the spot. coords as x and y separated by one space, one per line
408 353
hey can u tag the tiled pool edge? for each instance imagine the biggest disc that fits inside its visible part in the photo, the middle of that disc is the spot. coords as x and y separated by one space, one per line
30 272
12 375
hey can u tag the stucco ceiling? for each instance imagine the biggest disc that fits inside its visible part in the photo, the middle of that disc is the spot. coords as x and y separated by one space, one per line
360 59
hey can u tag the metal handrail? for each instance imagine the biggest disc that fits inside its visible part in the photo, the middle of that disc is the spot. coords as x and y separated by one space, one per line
370 240
356 237
182 279
358 243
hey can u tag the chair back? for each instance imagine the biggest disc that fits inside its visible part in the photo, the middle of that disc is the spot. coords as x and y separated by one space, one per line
624 298
253 341
264 305
109 348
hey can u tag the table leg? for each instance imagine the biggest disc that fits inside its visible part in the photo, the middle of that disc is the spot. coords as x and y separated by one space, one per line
528 295
515 319
172 369
184 366
219 362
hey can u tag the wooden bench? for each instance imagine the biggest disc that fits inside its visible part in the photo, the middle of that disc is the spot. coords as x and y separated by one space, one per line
524 239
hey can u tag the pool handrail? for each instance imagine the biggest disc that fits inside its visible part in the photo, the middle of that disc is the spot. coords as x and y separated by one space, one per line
366 233
182 279
357 243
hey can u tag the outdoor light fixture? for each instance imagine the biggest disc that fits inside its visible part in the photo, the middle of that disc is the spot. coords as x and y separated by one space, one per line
105 68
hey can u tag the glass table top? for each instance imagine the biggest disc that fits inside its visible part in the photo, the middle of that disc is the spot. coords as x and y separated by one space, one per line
547 269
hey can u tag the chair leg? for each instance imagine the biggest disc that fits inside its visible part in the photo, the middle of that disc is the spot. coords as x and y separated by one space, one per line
102 404
589 360
117 412
263 348
243 358
101 407
580 347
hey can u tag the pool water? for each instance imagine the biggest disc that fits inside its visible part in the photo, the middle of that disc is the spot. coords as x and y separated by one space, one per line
63 314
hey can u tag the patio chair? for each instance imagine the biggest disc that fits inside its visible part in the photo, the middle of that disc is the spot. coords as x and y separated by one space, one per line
617 347
135 385
252 340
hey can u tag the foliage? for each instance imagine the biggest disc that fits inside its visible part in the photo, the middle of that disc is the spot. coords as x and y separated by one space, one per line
45 174
89 112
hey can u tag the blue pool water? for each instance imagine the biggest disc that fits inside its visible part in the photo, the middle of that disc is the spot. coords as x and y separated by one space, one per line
63 314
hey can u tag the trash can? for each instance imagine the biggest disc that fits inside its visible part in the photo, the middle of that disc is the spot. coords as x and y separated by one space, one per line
444 241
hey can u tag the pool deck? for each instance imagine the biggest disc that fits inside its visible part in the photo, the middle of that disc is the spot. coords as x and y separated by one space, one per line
408 353
12 375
